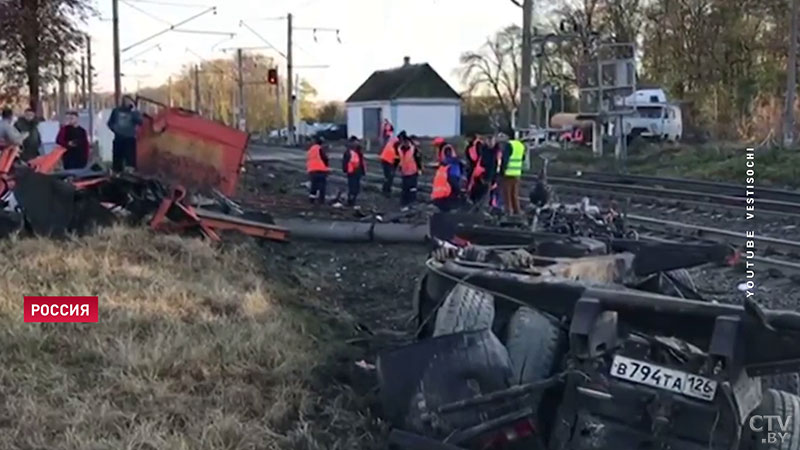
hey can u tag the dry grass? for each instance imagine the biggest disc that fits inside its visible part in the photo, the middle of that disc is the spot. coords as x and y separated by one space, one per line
194 349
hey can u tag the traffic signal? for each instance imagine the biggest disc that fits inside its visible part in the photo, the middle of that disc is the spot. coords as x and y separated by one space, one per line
272 76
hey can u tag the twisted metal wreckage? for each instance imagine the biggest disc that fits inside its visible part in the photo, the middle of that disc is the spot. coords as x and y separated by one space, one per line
540 340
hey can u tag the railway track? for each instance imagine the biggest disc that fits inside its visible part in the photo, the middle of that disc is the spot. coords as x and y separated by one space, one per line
777 255
727 189
706 195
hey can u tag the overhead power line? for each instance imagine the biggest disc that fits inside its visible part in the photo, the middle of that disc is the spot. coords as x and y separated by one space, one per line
167 3
152 16
243 24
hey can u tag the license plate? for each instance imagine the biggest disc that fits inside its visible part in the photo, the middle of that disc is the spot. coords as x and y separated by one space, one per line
663 378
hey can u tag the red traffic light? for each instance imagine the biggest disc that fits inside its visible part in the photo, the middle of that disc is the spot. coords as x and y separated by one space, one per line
272 76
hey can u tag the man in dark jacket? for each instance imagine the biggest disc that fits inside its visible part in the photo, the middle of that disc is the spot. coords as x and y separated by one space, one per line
29 123
123 122
74 138
354 166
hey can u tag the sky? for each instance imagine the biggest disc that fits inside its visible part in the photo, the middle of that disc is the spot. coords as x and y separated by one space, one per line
375 35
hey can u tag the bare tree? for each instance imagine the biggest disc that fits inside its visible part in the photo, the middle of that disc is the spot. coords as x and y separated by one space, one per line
495 69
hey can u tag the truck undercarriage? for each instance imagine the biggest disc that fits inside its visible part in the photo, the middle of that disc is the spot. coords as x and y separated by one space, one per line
556 342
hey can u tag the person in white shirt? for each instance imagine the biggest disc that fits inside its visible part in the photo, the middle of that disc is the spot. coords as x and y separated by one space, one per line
9 135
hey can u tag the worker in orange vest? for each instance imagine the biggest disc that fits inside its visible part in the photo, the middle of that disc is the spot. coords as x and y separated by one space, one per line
390 159
446 192
410 170
482 170
317 167
388 131
438 145
473 153
354 166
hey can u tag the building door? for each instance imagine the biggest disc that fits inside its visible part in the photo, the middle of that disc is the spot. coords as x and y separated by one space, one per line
372 123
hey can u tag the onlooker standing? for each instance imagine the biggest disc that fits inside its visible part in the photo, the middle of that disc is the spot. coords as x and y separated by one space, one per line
75 139
123 122
9 135
29 123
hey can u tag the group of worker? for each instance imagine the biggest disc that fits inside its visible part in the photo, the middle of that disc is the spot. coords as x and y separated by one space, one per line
492 169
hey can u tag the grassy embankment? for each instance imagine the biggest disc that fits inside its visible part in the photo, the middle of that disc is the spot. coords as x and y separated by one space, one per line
196 348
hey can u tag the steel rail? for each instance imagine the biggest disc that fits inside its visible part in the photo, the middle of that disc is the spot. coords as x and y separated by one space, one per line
659 193
730 189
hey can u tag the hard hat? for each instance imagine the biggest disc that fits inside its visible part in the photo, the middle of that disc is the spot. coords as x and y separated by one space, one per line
438 141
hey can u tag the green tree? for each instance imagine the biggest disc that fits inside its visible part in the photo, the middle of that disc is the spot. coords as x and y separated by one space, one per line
35 35
331 112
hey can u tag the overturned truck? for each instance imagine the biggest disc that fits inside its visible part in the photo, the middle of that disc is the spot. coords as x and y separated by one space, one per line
518 350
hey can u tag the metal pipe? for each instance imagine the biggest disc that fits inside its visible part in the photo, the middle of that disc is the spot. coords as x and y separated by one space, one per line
344 231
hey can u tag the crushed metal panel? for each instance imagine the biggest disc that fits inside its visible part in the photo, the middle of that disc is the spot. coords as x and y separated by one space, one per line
179 147
48 204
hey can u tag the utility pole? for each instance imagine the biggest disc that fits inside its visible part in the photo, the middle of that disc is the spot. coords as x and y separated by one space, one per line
117 70
196 88
83 82
527 62
62 88
240 83
169 91
289 83
278 114
791 81
539 84
89 82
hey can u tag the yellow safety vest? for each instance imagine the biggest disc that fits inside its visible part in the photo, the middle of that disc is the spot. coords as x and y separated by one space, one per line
514 167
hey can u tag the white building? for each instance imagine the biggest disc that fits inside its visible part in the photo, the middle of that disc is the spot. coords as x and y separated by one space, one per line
413 97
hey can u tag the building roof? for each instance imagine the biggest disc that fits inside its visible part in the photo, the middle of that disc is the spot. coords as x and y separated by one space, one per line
406 81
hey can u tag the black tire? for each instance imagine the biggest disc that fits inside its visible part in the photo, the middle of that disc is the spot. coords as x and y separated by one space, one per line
478 365
787 382
534 344
781 404
464 309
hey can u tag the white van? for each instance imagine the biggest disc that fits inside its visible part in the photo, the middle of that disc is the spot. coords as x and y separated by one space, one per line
660 121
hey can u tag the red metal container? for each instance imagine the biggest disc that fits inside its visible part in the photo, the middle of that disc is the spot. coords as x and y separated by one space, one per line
179 147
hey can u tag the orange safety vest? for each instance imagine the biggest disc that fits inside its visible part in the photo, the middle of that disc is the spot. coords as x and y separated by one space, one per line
441 188
314 162
477 173
408 166
389 153
354 163
472 151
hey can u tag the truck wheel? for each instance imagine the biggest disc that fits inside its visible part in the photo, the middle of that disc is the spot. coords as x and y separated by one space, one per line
786 382
464 309
775 403
533 343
